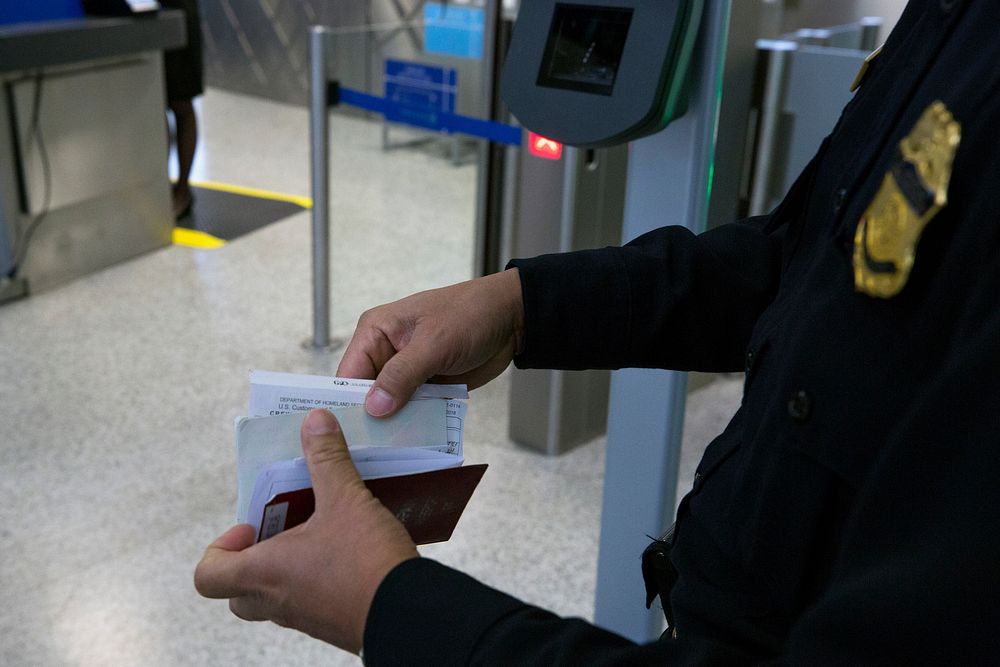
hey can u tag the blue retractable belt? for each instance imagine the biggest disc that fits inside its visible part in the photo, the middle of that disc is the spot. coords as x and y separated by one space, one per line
444 121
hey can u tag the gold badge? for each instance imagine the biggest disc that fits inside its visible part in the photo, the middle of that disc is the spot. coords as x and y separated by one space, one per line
911 194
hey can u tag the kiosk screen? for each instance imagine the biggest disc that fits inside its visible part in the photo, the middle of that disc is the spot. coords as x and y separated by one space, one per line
584 48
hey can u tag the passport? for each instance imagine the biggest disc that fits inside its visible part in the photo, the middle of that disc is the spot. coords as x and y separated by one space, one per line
428 504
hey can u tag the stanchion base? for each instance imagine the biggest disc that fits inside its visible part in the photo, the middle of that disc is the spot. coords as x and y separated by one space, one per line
332 346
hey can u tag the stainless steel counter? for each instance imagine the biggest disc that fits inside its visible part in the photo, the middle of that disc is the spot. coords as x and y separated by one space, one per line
83 171
45 44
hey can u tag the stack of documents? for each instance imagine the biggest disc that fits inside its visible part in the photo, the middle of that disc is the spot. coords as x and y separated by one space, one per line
411 461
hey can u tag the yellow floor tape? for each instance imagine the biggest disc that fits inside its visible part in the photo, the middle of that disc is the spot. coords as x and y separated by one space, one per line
304 202
192 238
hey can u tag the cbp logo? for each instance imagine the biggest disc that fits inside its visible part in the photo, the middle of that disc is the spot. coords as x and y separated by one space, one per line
547 149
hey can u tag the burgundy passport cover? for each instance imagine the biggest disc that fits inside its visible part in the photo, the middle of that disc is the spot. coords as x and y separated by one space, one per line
427 503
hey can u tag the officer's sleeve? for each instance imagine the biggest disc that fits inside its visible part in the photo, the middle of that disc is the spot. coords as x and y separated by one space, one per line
918 579
427 614
668 299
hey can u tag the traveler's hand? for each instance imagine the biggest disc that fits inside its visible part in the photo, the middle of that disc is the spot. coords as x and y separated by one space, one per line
467 333
319 577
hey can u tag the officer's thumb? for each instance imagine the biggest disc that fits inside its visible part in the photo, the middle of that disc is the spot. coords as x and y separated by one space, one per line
330 467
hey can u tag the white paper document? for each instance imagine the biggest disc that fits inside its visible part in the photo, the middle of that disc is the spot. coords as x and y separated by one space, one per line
425 435
274 393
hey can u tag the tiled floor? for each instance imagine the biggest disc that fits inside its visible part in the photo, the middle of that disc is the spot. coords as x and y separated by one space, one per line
118 393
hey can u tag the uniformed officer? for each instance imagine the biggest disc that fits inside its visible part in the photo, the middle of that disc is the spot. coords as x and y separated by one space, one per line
850 512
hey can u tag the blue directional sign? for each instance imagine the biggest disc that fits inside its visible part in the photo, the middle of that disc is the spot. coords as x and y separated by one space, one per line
419 94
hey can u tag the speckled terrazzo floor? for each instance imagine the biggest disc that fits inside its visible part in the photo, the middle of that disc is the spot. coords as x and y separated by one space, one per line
118 391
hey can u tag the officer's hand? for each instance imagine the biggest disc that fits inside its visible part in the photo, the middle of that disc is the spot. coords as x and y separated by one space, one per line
319 577
467 333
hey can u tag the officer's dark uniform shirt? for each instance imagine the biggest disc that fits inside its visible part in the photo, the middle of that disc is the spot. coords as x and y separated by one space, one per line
850 512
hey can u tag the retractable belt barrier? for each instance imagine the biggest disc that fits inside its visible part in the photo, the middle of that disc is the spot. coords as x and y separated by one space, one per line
325 93
425 117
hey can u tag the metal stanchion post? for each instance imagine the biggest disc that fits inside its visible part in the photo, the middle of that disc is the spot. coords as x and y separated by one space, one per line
770 111
319 135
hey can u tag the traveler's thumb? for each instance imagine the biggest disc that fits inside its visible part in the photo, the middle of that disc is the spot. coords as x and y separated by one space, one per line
329 462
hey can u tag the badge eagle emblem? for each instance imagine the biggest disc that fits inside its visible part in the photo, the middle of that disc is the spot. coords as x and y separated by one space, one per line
911 194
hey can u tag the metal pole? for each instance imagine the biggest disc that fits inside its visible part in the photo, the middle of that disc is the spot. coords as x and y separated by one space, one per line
490 163
319 136
770 113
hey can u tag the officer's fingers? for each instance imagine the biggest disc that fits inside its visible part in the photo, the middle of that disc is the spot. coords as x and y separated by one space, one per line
330 466
399 378
371 346
364 356
222 572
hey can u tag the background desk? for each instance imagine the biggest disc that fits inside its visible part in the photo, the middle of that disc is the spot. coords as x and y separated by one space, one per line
83 143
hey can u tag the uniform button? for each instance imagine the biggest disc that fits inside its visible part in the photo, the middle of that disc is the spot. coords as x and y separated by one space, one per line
947 5
750 358
799 406
838 199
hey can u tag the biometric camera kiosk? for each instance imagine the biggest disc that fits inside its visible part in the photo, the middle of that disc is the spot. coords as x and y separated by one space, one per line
592 74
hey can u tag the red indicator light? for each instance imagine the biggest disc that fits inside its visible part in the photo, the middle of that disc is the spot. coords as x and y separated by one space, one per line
544 148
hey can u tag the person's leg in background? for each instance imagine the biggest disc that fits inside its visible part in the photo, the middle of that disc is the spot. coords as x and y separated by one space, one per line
182 70
186 137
